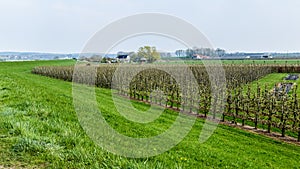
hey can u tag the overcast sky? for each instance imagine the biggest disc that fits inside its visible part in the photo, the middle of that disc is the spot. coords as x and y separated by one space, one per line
65 26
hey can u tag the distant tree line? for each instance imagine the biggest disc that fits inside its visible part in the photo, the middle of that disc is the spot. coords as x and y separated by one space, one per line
93 58
149 54
200 51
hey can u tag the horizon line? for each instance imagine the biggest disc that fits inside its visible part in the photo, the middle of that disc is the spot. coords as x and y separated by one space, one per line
55 52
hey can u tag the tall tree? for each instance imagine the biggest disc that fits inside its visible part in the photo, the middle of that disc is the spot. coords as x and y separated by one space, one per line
149 53
180 53
220 52
189 53
133 56
177 52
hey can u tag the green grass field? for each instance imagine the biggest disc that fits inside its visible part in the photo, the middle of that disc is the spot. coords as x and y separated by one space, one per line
39 129
271 80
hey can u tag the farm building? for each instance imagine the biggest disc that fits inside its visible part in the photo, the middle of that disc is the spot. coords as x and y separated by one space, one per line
124 58
198 56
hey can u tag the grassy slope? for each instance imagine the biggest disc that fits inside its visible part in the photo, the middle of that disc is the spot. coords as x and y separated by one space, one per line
38 127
